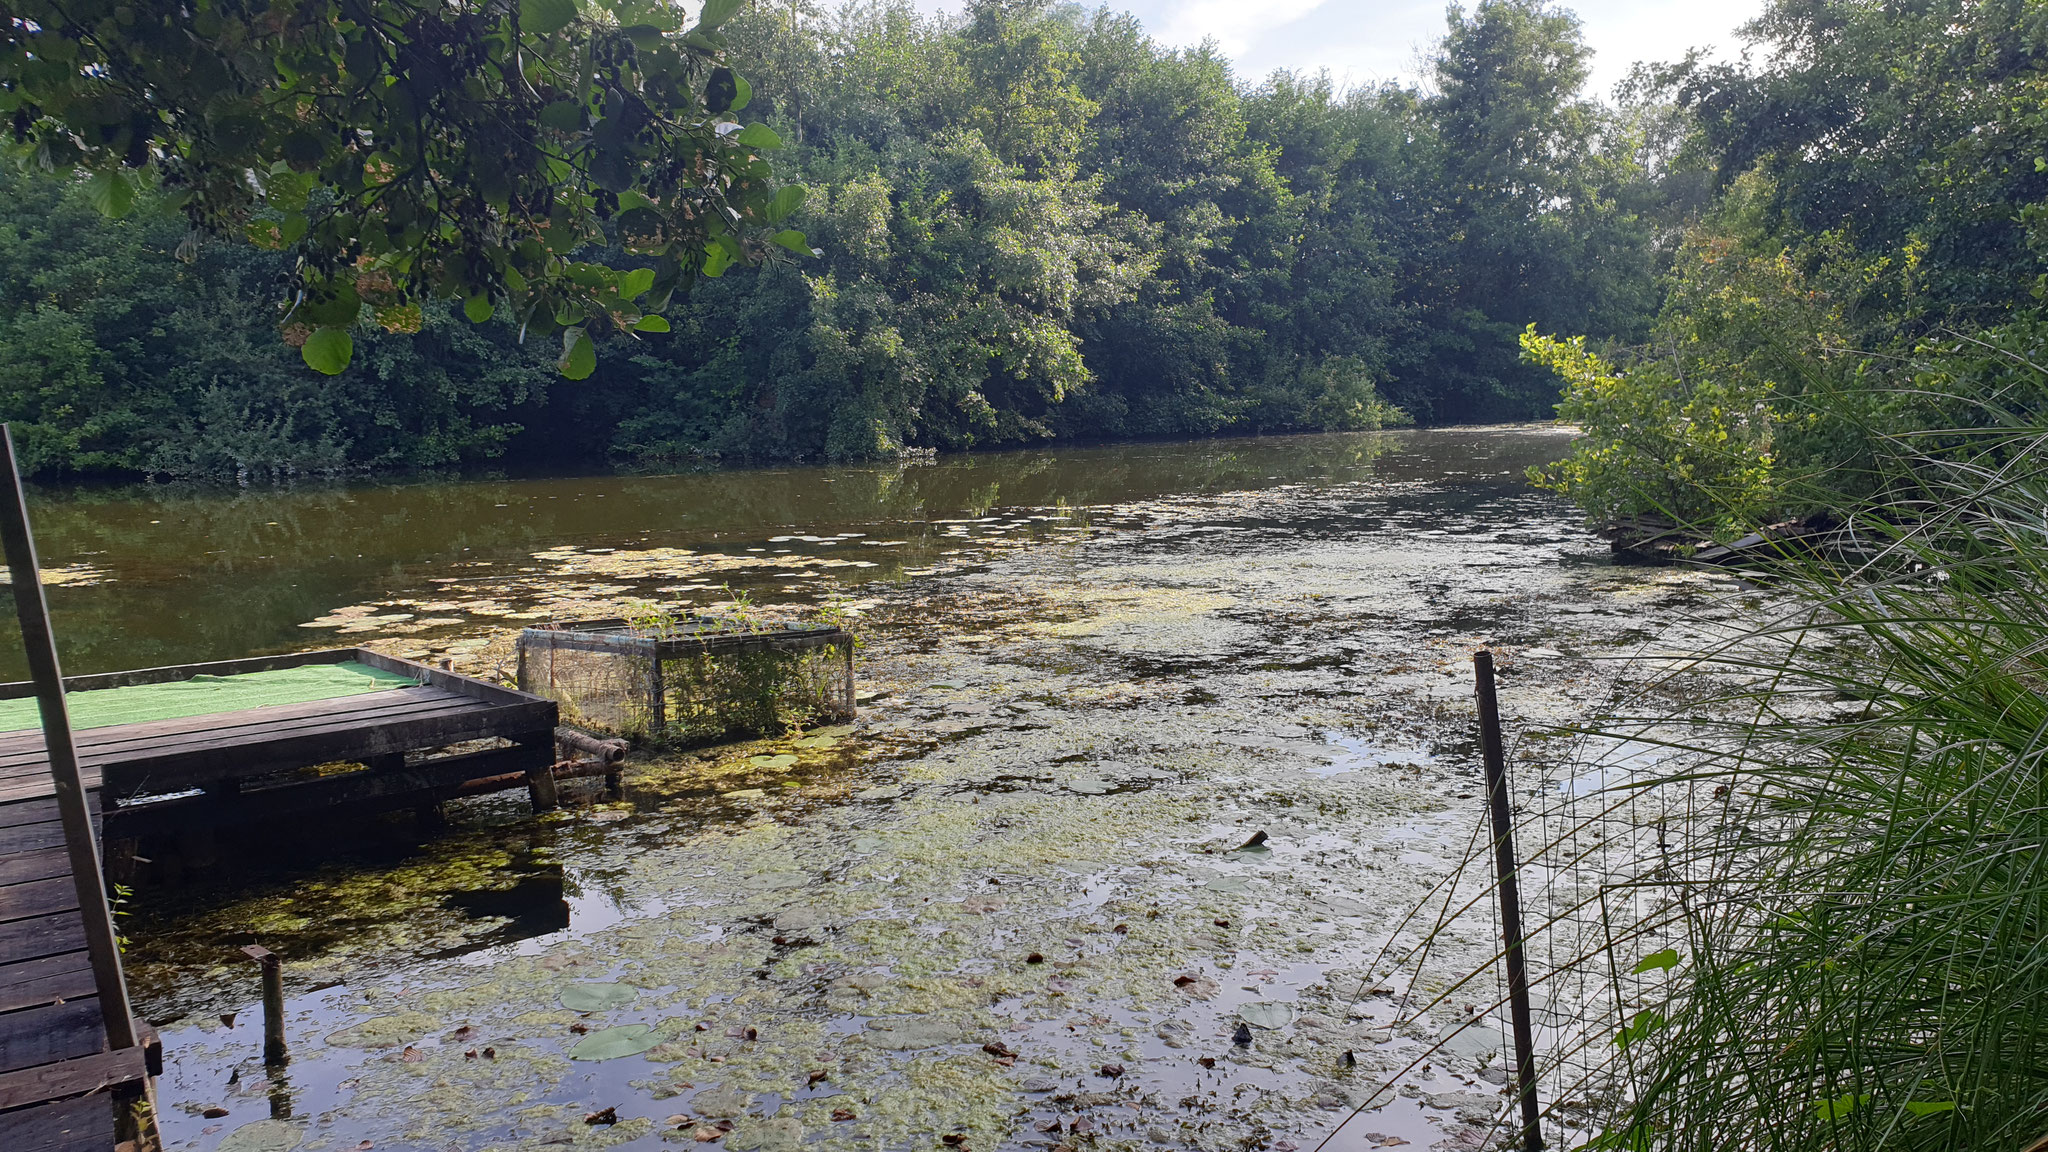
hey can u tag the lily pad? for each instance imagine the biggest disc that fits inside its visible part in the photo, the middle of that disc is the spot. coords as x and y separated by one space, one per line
818 743
1229 884
947 684
264 1136
1088 785
612 1043
1267 1014
780 760
596 997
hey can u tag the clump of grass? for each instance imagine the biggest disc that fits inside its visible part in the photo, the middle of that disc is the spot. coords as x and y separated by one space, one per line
1864 901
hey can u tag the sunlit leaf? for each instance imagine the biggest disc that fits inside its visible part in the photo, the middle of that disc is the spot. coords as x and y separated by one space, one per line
328 350
793 240
546 17
1668 958
1929 1107
636 282
787 200
579 354
478 309
652 324
717 12
758 136
112 192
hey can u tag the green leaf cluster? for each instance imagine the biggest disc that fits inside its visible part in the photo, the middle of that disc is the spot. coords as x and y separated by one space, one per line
406 151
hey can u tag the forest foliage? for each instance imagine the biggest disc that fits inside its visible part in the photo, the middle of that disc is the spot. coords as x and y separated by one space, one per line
1030 222
1873 263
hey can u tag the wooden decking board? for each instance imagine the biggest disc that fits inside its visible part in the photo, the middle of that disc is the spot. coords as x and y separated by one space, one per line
38 898
20 867
46 935
28 812
51 980
47 1034
76 1125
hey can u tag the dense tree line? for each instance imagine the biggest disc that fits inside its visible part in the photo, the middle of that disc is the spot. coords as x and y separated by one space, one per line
1030 222
1872 263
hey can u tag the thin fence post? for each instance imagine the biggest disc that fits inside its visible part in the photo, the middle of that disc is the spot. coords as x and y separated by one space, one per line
102 945
1504 870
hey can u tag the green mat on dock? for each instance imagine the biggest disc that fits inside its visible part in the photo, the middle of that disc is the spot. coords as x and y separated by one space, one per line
204 695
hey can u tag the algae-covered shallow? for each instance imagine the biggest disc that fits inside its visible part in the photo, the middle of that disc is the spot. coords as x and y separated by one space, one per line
1021 901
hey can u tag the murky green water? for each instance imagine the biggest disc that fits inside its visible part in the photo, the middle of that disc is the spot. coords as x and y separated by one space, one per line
159 575
1006 908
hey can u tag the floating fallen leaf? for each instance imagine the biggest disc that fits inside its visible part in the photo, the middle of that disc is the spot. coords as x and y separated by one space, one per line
214 1113
1110 1070
841 1114
706 1135
579 1027
412 1055
1221 923
997 1048
1034 958
596 997
603 1116
1206 1061
1121 929
1256 843
1243 1035
953 1139
469 1054
818 1074
490 1053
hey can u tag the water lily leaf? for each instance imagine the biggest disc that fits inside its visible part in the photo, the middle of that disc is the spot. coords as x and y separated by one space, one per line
612 1043
780 760
596 997
1267 1014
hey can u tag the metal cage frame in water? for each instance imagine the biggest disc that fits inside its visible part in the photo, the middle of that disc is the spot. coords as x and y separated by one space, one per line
664 682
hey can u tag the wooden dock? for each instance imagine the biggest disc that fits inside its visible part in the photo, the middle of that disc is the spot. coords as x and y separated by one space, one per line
58 1081
59 1085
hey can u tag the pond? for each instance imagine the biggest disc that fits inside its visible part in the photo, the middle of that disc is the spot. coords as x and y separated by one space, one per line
1021 902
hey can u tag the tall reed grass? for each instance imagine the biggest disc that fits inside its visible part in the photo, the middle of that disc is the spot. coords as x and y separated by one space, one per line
1861 899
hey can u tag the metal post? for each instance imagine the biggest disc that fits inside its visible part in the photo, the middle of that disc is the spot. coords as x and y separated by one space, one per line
273 1003
40 645
1504 869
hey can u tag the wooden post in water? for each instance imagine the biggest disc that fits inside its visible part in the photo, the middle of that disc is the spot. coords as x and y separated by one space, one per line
40 645
273 1003
1504 869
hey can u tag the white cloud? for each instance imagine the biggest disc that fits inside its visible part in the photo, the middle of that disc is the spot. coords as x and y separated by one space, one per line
1368 41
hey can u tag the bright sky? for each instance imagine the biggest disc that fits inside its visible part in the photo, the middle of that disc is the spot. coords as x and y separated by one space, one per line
1363 42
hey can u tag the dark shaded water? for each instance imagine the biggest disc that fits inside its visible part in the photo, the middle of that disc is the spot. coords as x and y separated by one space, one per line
161 575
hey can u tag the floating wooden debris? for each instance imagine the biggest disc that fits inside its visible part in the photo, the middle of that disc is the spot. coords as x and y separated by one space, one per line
690 679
